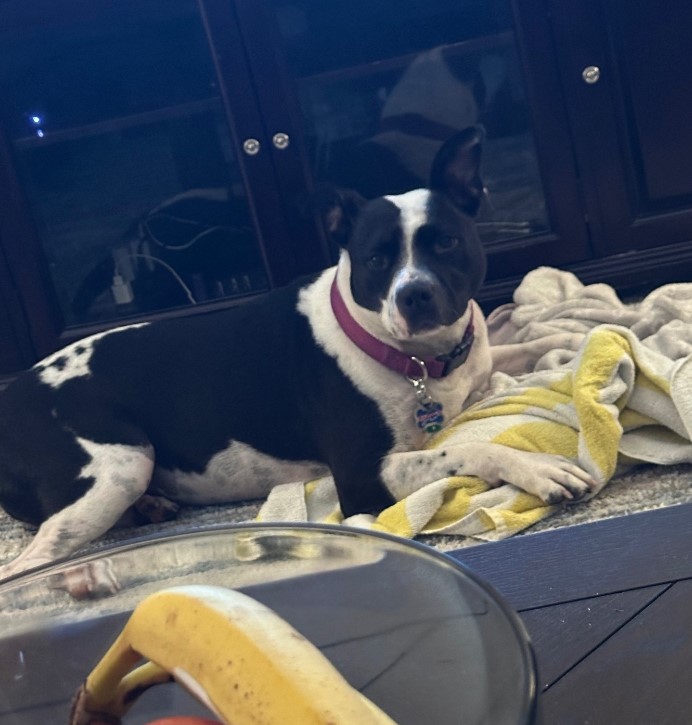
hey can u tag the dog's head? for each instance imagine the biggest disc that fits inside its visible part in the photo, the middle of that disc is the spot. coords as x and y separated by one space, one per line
416 258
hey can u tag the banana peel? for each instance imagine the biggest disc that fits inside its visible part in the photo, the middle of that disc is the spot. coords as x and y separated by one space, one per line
234 654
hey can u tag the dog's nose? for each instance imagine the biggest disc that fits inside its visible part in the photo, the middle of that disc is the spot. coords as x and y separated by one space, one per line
415 297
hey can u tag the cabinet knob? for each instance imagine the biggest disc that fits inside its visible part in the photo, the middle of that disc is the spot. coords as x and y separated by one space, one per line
591 74
281 140
251 146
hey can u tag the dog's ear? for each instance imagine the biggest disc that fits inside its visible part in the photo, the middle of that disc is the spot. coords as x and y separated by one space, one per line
456 169
338 209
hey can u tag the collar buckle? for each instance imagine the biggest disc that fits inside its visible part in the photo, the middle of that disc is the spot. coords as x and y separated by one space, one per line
459 354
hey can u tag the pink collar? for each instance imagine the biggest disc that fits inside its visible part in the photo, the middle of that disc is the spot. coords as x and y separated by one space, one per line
399 362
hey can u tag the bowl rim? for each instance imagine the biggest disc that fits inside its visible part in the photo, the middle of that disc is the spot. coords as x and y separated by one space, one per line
528 708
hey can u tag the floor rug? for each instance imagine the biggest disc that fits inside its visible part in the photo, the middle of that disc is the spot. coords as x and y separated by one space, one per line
643 489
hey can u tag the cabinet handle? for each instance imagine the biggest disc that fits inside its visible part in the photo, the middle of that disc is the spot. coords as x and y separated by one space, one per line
591 74
281 140
251 146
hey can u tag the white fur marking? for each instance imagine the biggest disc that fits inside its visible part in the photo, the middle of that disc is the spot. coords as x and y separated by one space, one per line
121 475
76 358
413 206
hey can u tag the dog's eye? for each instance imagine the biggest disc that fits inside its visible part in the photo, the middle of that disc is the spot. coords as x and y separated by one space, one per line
446 244
377 261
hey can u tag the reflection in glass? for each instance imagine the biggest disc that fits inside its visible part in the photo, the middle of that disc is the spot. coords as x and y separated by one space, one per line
383 85
321 37
122 148
378 132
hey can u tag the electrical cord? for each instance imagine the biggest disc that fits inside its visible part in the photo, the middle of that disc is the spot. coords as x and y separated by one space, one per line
176 247
167 266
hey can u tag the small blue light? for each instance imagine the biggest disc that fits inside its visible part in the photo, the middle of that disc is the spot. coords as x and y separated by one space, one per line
39 133
36 120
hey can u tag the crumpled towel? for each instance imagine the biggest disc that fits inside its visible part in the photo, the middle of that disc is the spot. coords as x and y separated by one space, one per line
624 397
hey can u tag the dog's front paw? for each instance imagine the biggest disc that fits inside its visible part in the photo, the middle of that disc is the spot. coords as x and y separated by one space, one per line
552 478
88 581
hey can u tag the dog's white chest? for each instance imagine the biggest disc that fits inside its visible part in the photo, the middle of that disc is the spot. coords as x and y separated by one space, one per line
237 473
409 413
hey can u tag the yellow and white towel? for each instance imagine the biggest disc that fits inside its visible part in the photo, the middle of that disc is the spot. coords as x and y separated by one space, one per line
624 397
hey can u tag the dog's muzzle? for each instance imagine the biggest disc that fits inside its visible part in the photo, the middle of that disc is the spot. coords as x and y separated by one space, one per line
419 303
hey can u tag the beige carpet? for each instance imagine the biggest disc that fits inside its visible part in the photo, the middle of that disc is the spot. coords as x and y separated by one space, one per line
645 488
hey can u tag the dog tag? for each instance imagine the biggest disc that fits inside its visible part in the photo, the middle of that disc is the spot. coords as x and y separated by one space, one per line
429 417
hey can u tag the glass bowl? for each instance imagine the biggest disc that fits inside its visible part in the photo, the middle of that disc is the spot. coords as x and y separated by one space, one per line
410 628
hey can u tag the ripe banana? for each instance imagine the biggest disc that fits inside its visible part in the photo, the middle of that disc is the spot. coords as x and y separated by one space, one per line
247 664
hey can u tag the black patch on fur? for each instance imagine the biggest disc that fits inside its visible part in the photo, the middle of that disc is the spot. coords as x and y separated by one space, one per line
376 233
40 460
59 363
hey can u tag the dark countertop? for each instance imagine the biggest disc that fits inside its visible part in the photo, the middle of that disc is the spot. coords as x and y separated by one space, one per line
608 606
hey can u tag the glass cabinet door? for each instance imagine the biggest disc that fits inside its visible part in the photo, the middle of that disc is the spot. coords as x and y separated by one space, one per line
115 121
382 84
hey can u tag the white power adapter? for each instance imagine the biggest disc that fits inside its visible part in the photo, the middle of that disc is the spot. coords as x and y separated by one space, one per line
121 290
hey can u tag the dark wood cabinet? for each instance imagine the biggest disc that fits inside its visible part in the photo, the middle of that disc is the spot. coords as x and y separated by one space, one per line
124 189
631 126
157 157
15 348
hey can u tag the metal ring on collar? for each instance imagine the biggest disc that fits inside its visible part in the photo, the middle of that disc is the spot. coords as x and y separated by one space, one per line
424 371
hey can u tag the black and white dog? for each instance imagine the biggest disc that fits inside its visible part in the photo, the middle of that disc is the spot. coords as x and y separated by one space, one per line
345 373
